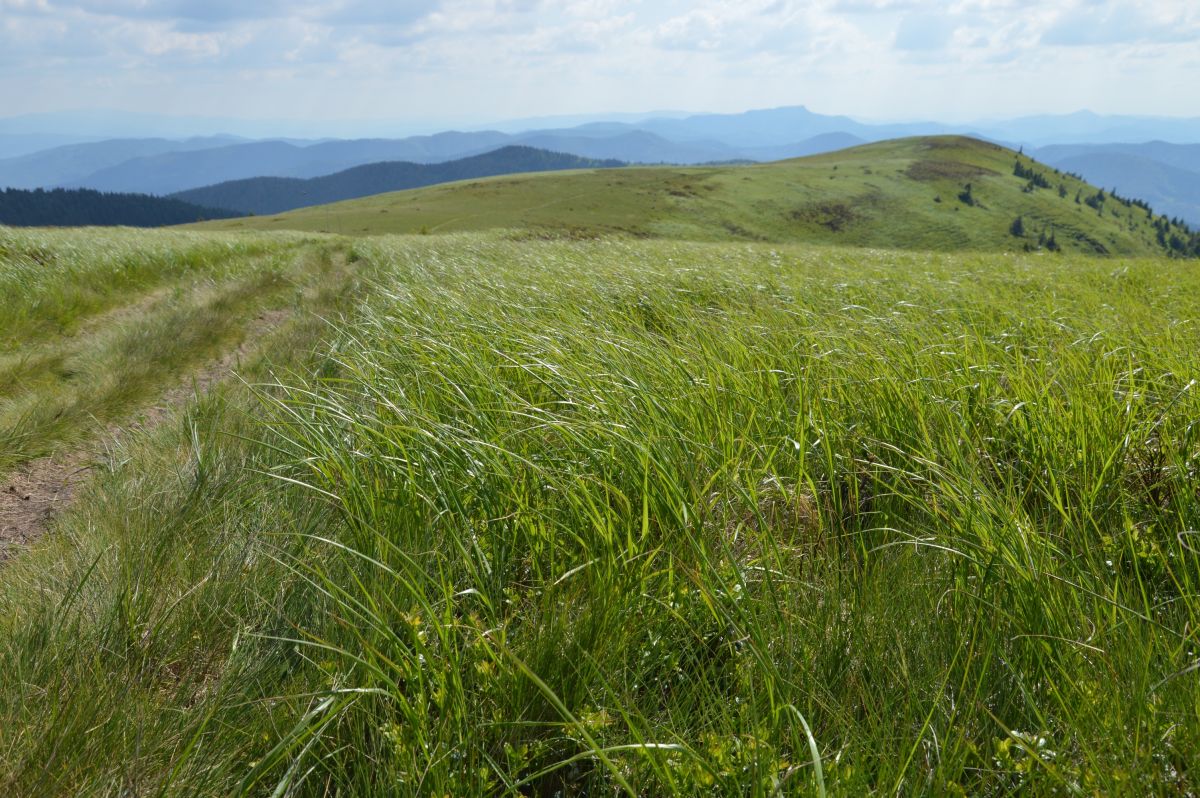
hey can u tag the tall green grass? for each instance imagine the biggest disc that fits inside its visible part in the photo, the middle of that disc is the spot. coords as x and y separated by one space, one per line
716 520
646 518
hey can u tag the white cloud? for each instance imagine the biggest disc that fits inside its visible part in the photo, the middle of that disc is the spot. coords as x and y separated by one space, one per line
504 58
1108 23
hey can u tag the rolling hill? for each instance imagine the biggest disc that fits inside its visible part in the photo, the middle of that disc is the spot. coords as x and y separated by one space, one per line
265 195
932 193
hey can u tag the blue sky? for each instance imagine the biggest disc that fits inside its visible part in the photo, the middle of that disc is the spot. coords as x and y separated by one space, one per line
465 61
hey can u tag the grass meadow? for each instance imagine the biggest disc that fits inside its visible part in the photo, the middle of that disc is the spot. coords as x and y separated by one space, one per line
618 517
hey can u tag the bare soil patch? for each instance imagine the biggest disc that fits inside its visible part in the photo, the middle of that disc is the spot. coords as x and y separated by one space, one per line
33 493
928 171
834 216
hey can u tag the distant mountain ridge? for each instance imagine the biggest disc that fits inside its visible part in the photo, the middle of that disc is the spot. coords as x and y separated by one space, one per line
165 166
171 172
72 163
1090 128
168 173
268 195
1031 130
1165 175
1180 156
1174 192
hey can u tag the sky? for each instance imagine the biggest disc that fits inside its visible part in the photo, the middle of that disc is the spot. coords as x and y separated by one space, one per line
433 62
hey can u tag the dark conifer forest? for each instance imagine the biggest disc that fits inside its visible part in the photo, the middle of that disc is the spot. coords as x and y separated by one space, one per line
81 207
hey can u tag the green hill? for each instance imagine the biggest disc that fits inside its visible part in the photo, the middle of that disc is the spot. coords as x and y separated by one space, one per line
908 193
261 195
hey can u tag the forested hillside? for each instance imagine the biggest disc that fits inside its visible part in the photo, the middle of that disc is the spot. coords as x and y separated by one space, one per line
84 207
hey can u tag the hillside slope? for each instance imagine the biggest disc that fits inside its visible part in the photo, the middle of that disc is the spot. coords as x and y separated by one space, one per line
277 194
908 193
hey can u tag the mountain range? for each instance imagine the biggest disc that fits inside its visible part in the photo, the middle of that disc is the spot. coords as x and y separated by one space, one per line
1103 149
1165 175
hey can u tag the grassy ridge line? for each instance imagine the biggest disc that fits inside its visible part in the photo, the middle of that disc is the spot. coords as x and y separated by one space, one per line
646 513
899 194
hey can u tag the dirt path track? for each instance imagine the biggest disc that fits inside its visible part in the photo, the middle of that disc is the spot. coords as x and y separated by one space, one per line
34 493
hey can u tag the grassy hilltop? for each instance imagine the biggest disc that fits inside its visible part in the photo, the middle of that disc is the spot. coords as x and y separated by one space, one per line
897 194
545 511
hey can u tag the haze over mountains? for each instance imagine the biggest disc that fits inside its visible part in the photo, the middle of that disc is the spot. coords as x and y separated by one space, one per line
1165 175
1111 151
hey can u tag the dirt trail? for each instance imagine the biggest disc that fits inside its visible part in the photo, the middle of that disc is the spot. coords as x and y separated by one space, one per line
34 493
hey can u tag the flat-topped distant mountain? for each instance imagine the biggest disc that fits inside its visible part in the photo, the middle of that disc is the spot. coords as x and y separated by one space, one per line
266 195
780 126
944 193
